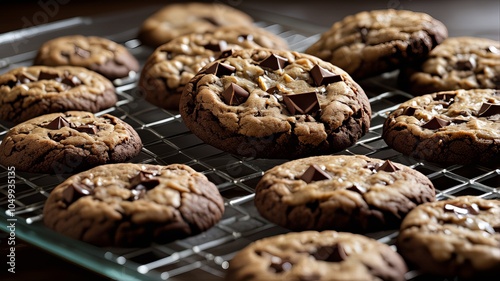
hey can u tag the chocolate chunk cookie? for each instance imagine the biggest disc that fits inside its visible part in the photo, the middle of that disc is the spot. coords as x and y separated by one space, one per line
457 63
68 142
318 256
179 19
344 193
455 127
173 64
455 237
133 204
101 55
275 104
28 92
373 42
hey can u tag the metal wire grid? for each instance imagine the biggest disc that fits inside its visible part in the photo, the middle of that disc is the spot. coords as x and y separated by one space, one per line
167 140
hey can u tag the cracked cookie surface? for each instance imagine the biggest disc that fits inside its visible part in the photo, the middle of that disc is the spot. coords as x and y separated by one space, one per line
454 237
343 193
68 142
312 255
275 104
179 19
99 54
457 63
173 64
133 204
458 127
28 92
373 42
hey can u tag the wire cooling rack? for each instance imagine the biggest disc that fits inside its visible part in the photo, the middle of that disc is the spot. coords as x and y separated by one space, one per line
167 140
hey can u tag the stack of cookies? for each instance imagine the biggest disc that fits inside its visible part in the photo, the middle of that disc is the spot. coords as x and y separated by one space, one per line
242 90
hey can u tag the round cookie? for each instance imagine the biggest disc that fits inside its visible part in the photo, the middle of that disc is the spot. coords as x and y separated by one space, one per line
275 104
173 64
179 19
373 42
318 256
455 127
68 142
101 55
344 193
130 205
28 92
457 63
454 237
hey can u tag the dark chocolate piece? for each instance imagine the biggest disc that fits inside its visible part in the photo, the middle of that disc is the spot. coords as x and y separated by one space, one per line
26 78
466 64
58 123
217 47
435 123
71 81
322 76
409 111
303 103
82 52
279 265
226 53
48 76
388 166
445 96
314 173
89 129
273 90
274 62
75 191
235 95
220 69
489 109
334 253
143 180
357 189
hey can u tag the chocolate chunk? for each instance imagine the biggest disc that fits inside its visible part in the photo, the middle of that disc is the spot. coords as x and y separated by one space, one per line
216 47
143 180
409 111
82 52
445 96
334 253
48 76
466 64
304 103
273 90
279 265
75 191
322 76
247 37
372 167
274 62
226 53
388 166
493 49
235 95
58 123
71 81
435 123
489 109
458 121
89 129
26 78
314 173
356 188
220 69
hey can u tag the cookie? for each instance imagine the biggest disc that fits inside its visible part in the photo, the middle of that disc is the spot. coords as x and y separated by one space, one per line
173 64
99 54
454 127
454 237
345 193
373 42
179 19
457 63
28 92
312 255
133 204
68 142
275 104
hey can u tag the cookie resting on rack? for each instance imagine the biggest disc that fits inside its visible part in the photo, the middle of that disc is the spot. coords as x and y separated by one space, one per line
64 143
28 92
130 205
454 127
373 42
172 65
351 193
99 54
275 104
454 237
318 256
